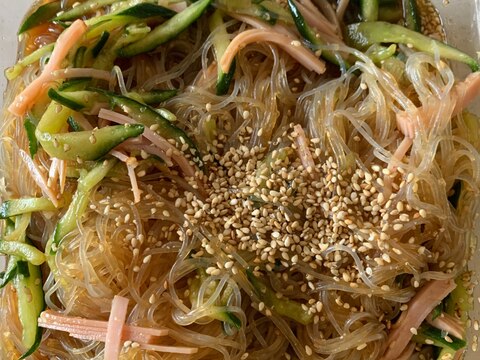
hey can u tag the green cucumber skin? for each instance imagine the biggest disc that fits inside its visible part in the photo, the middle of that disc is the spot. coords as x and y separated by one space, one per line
79 145
42 15
166 31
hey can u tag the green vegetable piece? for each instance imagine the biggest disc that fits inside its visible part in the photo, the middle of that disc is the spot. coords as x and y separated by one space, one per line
459 301
391 14
153 97
147 10
437 311
84 101
221 315
42 15
285 307
75 84
77 207
14 71
10 272
379 53
75 126
310 35
16 207
267 15
22 251
427 332
411 16
32 140
79 59
53 119
369 10
87 145
362 35
220 43
85 8
148 116
30 305
166 31
100 44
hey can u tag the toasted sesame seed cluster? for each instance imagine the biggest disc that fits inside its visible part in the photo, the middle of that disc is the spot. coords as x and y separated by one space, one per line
268 204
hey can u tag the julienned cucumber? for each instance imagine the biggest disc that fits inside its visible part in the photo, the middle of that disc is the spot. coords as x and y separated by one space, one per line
41 15
166 31
87 145
30 304
87 181
363 35
148 116
10 208
220 43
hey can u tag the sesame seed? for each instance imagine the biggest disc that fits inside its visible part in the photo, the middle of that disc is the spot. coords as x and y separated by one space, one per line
308 350
413 331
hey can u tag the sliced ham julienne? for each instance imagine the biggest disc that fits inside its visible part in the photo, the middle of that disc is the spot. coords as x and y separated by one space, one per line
113 333
66 41
464 92
289 44
96 330
419 307
116 321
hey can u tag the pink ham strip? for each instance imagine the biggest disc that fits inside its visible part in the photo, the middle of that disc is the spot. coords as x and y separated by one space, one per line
131 165
66 41
465 92
38 177
156 139
116 322
419 307
54 320
299 53
302 148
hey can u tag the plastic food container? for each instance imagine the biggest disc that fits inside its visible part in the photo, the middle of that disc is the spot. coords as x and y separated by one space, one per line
461 21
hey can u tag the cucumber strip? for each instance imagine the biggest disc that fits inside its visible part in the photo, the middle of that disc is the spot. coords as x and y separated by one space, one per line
153 97
30 304
75 126
16 207
14 71
285 307
41 15
83 101
78 206
148 116
147 10
32 140
427 332
22 251
221 41
86 8
53 119
308 34
221 315
362 35
411 16
391 14
87 145
379 53
166 31
369 10
100 44
75 84
10 272
80 57
458 302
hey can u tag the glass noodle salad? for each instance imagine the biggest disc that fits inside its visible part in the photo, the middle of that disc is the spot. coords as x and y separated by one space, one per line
237 180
